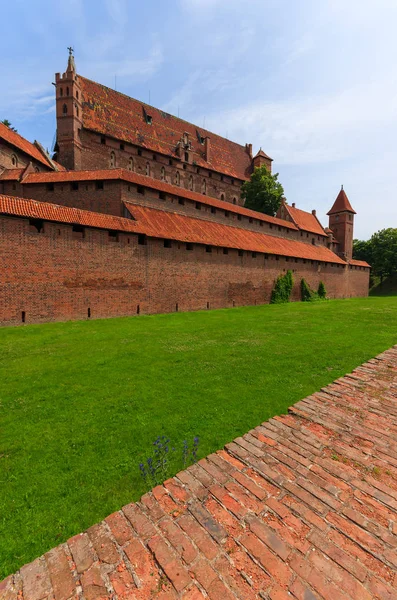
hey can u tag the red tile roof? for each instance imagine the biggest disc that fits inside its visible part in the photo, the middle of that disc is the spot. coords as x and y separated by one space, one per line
358 263
114 114
163 224
16 140
12 174
263 155
156 184
33 209
341 204
305 220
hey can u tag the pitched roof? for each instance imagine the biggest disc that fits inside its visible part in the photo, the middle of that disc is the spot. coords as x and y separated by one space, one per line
16 140
169 225
305 220
358 263
12 174
156 184
33 209
163 224
262 154
341 204
114 114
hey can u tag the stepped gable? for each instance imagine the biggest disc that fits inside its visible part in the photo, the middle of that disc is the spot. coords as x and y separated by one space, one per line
155 184
341 204
16 140
305 220
302 507
114 114
169 225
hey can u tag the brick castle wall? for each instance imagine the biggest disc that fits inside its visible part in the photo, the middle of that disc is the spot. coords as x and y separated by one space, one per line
59 275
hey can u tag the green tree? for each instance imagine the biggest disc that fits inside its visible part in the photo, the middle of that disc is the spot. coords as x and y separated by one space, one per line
362 250
262 192
383 245
7 123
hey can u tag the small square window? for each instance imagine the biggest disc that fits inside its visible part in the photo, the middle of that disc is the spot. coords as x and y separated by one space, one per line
240 252
113 236
210 174
142 240
181 201
254 255
103 139
226 213
260 223
140 189
208 249
198 206
239 217
167 244
162 195
250 219
74 185
213 210
226 251
78 229
99 185
121 146
189 246
170 162
50 187
139 152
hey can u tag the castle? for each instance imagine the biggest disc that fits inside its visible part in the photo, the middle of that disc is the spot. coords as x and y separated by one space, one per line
140 212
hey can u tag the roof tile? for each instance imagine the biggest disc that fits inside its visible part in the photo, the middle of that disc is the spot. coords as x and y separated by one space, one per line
13 138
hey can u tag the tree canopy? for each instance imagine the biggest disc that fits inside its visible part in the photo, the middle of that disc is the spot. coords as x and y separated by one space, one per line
263 192
7 123
380 251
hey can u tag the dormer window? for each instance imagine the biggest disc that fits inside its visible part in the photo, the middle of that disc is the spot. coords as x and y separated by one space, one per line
147 117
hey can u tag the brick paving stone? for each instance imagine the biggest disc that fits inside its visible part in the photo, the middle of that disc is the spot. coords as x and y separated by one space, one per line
303 507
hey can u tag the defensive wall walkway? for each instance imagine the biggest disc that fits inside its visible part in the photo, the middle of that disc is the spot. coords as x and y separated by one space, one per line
303 507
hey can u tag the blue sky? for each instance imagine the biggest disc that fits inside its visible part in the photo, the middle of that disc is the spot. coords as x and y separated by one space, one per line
313 82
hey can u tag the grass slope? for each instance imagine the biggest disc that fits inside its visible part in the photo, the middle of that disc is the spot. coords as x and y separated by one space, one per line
387 288
81 402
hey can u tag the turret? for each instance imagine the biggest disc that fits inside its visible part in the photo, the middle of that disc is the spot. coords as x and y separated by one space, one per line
262 159
69 116
341 221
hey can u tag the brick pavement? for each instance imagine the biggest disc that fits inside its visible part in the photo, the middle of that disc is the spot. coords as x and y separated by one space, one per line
303 507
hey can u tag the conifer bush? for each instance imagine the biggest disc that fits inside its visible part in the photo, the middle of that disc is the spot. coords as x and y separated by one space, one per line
322 292
307 295
282 289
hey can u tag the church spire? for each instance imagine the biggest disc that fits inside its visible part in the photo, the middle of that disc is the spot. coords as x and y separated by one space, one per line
71 63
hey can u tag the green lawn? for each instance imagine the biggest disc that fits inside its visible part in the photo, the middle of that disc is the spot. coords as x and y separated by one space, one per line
81 402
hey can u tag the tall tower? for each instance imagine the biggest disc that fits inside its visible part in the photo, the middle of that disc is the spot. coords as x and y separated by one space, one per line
69 116
341 221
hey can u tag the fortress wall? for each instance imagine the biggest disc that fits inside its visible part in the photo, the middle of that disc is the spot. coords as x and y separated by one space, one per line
58 275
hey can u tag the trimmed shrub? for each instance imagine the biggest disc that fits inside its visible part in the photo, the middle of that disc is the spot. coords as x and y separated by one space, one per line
282 289
307 295
322 292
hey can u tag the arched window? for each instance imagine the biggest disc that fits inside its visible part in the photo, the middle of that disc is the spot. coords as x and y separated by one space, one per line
222 196
130 164
234 200
65 109
61 91
191 182
67 91
37 169
112 159
177 178
162 176
204 187
148 169
14 160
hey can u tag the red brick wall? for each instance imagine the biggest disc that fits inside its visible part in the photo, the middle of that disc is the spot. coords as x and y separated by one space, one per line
7 152
58 275
98 156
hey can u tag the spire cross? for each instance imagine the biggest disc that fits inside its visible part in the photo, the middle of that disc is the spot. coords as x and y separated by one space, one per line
70 50
342 187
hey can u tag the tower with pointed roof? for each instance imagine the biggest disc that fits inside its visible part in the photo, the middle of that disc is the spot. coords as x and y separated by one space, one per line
261 158
69 116
341 222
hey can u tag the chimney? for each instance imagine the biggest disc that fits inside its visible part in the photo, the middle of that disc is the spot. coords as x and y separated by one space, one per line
313 212
248 149
293 205
207 149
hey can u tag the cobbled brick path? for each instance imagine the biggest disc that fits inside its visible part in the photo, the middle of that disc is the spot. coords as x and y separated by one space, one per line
302 507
